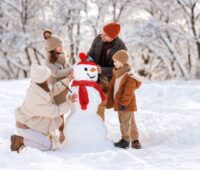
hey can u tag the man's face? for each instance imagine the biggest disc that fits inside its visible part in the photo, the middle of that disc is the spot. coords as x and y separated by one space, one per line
105 37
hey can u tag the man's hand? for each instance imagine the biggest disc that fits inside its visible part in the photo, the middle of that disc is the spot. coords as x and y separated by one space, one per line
73 98
99 69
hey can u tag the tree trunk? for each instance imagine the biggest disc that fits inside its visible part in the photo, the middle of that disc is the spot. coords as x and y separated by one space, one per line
36 56
78 38
28 56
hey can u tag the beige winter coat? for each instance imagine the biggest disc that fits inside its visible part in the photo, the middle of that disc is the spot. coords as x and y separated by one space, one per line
39 108
58 72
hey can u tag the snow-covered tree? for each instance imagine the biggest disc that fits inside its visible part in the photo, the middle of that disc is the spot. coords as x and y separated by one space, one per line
166 37
20 23
163 37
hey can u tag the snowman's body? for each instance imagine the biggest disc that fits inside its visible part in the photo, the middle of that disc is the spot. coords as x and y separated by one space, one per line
84 128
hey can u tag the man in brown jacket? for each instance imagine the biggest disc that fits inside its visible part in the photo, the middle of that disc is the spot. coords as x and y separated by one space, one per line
122 98
101 51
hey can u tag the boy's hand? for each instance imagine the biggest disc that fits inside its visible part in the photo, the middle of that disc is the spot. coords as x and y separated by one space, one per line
73 98
122 108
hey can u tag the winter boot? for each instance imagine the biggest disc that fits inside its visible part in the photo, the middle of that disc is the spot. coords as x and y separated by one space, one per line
122 144
17 143
136 144
62 136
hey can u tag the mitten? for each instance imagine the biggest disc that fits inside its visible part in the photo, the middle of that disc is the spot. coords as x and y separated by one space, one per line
122 108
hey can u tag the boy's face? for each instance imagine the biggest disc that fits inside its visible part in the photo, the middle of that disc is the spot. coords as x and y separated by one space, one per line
118 64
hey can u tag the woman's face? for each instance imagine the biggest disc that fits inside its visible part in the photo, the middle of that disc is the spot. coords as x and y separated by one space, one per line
117 64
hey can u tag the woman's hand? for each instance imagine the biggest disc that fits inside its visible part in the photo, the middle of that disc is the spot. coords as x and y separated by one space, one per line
73 98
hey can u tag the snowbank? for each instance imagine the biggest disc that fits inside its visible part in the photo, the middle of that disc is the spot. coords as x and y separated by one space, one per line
168 118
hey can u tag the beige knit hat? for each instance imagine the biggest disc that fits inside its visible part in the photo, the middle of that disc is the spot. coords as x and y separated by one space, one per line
121 56
52 43
39 74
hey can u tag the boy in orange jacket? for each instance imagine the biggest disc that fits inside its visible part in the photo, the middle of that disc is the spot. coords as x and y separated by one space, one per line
122 98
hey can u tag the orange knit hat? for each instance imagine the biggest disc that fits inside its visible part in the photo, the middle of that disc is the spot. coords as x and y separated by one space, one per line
112 30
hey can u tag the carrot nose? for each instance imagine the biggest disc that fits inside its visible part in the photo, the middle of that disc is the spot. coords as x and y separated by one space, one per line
93 69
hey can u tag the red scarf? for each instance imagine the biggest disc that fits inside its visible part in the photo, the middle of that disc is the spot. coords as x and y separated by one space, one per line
83 94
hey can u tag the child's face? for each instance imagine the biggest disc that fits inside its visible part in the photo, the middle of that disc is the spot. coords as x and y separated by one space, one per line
59 49
118 64
47 35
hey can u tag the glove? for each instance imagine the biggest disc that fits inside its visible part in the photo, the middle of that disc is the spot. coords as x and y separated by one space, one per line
90 59
122 108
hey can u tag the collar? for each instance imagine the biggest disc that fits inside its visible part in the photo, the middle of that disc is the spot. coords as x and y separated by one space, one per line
39 91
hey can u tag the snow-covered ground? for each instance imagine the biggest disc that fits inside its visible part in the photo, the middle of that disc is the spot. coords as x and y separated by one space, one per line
168 118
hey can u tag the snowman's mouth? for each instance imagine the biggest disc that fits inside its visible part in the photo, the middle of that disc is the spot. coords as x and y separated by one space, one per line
92 77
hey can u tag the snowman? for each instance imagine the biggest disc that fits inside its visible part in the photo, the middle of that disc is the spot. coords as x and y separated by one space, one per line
84 128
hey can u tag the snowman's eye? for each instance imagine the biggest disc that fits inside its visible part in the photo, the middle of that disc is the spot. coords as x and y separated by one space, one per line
85 69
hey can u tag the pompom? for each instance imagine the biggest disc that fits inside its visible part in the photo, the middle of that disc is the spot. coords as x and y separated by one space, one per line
83 56
47 31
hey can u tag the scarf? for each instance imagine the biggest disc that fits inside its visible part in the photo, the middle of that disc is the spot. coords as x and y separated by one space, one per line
83 94
119 72
104 55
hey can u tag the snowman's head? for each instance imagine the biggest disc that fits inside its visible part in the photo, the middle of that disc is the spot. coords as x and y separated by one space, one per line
85 70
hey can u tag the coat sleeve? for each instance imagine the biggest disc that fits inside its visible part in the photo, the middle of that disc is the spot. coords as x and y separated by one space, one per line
110 99
92 48
59 86
130 86
120 45
51 110
107 71
123 46
56 72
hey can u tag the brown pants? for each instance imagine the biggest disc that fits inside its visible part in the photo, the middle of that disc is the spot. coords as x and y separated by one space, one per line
128 126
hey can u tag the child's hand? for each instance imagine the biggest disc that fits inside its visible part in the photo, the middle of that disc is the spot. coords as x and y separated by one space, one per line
73 98
122 108
71 75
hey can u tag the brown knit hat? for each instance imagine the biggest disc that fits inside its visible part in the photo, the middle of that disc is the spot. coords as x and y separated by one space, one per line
112 30
121 56
53 42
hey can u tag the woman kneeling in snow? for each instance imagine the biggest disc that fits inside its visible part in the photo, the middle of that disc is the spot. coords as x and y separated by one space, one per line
39 117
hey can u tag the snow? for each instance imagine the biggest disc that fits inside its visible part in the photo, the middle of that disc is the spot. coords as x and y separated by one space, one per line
168 120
